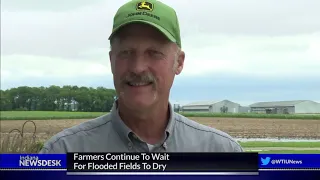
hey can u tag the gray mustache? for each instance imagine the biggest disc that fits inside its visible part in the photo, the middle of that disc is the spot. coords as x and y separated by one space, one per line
135 78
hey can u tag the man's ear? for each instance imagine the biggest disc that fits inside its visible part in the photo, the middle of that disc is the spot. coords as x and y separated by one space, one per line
180 62
110 55
111 61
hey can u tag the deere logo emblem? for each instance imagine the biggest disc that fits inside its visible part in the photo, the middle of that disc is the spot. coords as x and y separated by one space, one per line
145 6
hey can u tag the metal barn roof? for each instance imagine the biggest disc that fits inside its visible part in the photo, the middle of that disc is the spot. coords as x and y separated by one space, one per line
195 107
277 103
202 103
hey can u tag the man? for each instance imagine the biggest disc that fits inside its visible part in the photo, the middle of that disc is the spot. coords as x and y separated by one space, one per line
145 56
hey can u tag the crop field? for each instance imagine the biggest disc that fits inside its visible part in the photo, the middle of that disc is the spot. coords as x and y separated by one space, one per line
47 115
290 152
45 124
44 115
256 144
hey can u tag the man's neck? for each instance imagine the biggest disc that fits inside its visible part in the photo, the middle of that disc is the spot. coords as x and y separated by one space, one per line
149 124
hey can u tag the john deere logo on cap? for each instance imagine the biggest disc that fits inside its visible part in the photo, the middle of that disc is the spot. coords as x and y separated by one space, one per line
144 5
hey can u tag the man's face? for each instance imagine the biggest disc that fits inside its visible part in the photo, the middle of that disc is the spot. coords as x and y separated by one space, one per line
144 64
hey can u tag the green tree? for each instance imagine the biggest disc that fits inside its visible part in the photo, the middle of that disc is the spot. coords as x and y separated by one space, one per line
55 98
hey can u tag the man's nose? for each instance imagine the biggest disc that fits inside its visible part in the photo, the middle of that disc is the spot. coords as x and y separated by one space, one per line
139 64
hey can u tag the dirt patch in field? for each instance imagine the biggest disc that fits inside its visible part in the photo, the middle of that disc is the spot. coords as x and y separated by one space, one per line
236 127
264 128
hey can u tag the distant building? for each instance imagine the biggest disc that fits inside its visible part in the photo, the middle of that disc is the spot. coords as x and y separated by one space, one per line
176 107
286 107
73 106
244 109
212 106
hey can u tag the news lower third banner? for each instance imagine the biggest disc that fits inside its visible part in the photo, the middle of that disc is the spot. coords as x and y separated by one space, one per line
159 162
133 162
163 162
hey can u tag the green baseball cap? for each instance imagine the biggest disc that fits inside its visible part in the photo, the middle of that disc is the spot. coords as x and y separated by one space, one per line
151 12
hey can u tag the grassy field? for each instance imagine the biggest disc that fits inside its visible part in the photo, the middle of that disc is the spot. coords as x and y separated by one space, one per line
280 144
282 147
44 115
255 115
289 152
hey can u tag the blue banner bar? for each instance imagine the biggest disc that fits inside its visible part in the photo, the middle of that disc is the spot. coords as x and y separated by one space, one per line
271 161
23 161
59 161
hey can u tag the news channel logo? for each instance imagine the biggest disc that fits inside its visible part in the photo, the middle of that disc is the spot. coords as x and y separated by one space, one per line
265 161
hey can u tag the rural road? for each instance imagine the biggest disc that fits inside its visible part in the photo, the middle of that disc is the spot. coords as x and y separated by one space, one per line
281 148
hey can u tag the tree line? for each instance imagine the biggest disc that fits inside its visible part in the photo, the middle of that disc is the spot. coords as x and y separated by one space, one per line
56 98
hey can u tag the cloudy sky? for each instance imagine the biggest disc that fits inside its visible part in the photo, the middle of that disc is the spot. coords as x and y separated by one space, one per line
244 51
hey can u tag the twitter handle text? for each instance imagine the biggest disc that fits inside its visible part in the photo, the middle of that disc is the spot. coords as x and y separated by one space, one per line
286 161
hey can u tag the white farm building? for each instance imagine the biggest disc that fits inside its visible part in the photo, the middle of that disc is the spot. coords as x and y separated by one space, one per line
287 107
214 107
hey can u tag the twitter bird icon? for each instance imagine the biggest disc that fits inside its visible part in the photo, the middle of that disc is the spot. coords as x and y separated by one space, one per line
265 161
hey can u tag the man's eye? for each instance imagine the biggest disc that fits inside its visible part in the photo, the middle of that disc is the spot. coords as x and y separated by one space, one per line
125 52
155 53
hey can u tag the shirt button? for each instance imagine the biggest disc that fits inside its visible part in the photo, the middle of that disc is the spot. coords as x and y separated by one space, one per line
134 136
165 145
130 145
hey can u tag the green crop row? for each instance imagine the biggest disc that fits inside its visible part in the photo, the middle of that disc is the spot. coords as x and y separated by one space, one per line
255 144
254 115
288 152
44 115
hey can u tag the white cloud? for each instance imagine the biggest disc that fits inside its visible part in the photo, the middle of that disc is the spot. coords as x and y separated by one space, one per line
296 55
18 67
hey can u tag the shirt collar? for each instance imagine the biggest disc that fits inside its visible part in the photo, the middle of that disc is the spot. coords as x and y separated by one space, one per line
124 131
